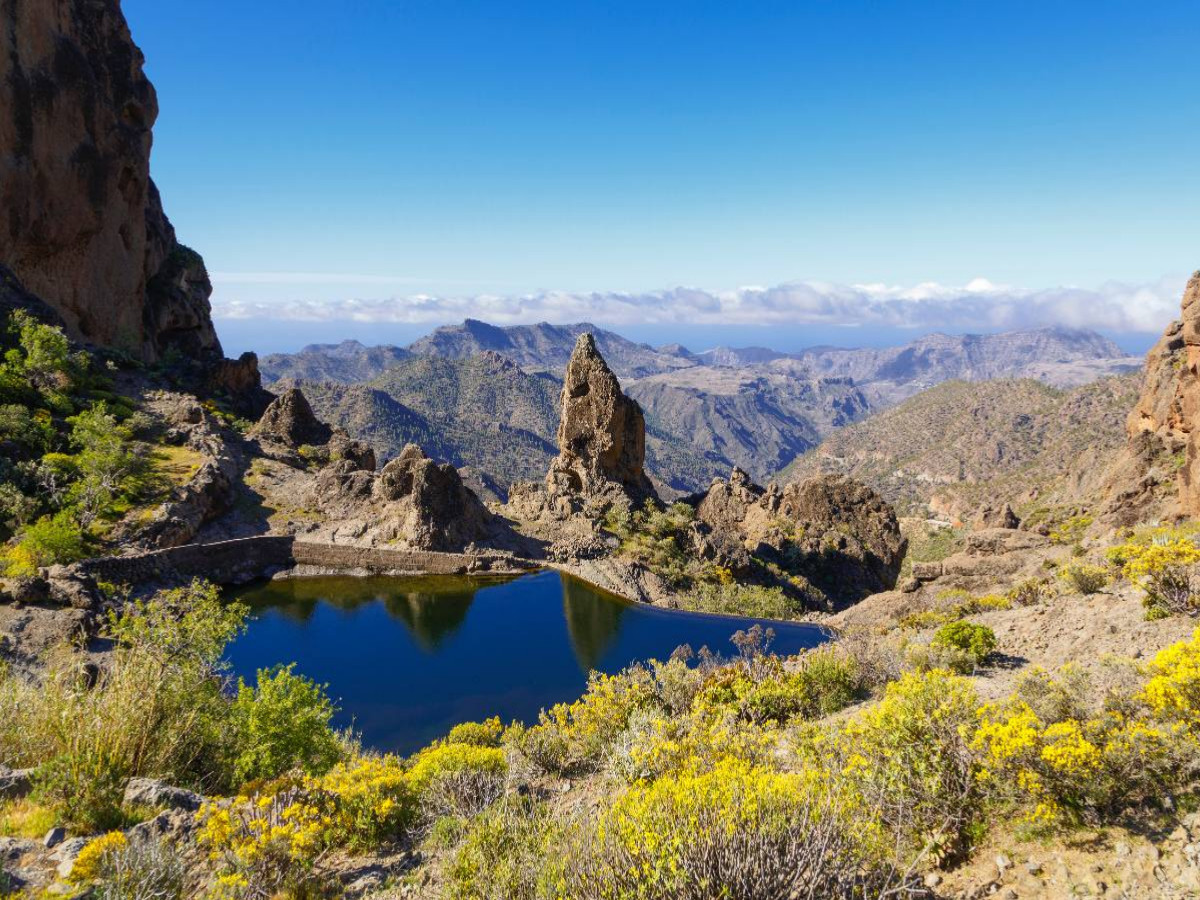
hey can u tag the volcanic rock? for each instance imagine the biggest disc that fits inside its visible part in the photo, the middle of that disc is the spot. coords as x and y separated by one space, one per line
849 537
1159 472
999 517
601 435
238 381
83 225
432 507
290 421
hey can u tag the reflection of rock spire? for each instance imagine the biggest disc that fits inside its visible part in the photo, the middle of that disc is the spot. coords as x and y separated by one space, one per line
430 617
431 614
592 621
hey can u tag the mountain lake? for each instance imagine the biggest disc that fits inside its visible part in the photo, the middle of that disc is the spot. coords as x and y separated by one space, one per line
407 658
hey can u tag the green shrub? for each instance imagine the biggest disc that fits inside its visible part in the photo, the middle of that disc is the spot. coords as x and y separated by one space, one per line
907 756
458 779
116 868
1086 579
572 738
975 642
1071 530
157 710
487 733
508 853
737 831
735 599
282 723
1030 592
49 541
656 537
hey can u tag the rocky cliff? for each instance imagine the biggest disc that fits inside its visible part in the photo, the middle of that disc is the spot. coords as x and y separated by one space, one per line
1159 471
83 225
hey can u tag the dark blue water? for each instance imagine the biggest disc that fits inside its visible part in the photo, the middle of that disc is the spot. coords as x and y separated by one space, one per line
407 658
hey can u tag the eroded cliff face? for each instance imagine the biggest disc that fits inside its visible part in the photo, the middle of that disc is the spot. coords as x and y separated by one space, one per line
1158 474
81 223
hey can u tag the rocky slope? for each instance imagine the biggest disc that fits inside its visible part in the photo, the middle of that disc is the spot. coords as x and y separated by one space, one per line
84 226
960 447
758 419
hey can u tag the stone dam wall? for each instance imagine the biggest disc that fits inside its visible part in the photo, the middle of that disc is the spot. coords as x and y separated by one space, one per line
245 559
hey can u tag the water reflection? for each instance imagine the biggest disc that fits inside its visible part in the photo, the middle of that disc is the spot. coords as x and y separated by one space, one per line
407 658
593 621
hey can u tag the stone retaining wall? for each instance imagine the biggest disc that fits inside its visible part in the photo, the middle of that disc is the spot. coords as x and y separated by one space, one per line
245 559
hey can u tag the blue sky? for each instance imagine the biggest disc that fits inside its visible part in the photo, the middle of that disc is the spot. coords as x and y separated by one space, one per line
370 150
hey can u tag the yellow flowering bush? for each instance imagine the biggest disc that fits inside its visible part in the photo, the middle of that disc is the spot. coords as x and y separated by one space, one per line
695 743
1173 691
1085 577
1162 561
90 861
738 827
1061 764
458 779
371 800
265 846
571 738
487 733
908 756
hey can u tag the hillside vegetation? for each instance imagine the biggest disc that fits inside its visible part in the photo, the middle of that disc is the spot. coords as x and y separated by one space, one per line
960 446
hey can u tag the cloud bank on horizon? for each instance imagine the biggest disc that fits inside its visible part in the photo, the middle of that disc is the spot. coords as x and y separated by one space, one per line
979 305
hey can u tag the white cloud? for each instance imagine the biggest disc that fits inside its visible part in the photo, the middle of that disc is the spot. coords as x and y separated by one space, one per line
979 305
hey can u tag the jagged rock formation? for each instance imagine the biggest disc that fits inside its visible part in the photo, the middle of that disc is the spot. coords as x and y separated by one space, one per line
83 224
834 532
412 501
290 421
601 434
437 510
1158 474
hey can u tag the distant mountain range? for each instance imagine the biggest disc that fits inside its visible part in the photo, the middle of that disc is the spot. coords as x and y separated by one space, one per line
486 397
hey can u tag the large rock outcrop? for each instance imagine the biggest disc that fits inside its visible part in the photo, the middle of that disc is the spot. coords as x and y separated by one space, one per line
835 534
1158 474
83 225
601 435
436 510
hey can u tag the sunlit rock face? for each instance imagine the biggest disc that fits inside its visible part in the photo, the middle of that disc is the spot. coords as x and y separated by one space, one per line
82 224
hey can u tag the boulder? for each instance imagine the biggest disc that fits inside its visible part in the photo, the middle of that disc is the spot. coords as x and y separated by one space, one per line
601 434
999 517
727 503
432 507
74 588
159 794
358 453
207 495
28 589
238 380
289 420
15 783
